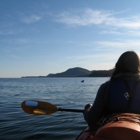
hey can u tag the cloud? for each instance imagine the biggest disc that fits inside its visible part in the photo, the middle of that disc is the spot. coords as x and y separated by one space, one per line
132 22
128 44
121 32
88 17
14 56
112 32
135 33
30 18
6 33
83 18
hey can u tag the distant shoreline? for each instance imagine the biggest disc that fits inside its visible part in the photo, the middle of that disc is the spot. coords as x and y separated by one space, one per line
76 72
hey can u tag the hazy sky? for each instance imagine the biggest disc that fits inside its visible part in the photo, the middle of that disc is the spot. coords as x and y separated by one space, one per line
38 37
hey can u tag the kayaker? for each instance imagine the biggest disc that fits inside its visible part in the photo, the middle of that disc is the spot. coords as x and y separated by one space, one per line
120 94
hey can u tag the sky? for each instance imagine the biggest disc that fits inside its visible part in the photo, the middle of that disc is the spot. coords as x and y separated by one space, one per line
39 37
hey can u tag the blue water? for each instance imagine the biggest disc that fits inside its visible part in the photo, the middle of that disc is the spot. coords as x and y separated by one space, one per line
15 124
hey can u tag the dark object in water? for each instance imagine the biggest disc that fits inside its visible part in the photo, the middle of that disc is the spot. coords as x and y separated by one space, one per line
82 81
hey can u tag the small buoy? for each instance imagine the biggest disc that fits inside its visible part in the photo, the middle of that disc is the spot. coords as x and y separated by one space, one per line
82 81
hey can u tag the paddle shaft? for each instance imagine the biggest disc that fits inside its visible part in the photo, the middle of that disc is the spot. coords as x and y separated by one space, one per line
70 110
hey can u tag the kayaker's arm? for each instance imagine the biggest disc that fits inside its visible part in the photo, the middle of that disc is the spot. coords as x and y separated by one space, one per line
95 113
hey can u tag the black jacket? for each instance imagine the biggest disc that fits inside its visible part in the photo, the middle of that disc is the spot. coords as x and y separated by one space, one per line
113 97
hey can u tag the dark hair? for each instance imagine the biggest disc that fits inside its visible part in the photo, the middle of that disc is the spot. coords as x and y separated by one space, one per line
128 62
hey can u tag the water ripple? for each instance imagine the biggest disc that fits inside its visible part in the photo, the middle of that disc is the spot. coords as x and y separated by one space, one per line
62 92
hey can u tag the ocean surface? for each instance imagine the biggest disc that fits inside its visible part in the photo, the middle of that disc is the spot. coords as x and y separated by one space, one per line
71 93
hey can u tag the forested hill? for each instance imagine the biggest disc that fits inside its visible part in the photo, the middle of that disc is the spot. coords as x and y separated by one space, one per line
80 72
77 72
72 72
101 73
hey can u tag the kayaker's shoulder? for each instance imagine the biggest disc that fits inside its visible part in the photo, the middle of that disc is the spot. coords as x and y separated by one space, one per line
105 84
109 82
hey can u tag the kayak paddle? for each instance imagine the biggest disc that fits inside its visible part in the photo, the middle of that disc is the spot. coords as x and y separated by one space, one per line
43 108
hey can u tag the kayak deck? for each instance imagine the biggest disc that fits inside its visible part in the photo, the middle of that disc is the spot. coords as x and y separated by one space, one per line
117 127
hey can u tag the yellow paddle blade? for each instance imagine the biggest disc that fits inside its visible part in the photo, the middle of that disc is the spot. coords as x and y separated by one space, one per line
38 107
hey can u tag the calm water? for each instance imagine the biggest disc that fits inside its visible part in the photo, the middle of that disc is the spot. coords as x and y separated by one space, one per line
62 92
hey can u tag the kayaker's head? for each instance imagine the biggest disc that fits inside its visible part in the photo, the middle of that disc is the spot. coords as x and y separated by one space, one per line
128 62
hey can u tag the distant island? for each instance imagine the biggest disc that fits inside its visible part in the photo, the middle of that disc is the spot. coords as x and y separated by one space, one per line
77 72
